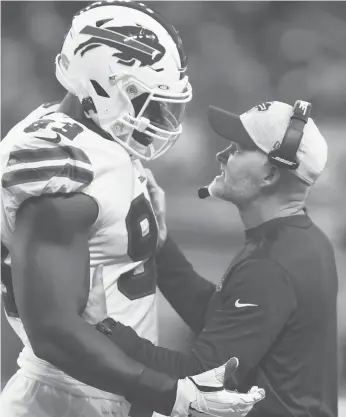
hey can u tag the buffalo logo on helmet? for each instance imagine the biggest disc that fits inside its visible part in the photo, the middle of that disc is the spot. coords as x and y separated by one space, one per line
133 43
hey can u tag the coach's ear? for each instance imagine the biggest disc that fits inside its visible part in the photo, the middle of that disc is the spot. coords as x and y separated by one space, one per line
271 177
96 308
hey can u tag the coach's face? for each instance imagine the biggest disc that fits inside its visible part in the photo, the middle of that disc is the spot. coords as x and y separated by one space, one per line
242 174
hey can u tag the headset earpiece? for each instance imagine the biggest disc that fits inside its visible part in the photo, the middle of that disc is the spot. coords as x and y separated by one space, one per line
285 154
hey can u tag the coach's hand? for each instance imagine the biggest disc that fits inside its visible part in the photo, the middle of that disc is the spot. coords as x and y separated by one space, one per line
205 395
96 308
158 201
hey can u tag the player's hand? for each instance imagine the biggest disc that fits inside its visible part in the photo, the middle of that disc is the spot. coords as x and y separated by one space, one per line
158 201
205 395
96 308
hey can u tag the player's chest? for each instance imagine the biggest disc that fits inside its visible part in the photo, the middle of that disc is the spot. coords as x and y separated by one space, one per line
126 226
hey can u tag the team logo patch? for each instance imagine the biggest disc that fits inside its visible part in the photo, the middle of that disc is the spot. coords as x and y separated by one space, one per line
132 44
262 107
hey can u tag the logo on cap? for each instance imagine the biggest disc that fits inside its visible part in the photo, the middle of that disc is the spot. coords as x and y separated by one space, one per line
303 105
262 107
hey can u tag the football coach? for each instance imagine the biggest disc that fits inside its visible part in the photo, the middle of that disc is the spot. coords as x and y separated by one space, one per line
275 306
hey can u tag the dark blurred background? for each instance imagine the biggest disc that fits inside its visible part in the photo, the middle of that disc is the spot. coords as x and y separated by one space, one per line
240 54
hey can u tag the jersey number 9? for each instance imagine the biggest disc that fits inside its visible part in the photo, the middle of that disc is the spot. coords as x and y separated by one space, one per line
142 240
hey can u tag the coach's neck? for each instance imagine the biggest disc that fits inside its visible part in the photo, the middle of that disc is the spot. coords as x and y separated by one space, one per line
256 213
283 203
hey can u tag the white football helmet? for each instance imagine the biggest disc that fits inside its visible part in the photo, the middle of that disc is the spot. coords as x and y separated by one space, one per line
127 66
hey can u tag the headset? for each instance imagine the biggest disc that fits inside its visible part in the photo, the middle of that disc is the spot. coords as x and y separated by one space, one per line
284 155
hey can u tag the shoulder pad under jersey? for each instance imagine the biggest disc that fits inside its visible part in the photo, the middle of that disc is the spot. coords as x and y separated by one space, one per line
41 158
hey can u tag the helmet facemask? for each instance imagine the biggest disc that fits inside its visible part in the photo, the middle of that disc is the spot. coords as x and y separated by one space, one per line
151 121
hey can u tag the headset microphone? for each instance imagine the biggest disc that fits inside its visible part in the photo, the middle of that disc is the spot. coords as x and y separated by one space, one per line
204 192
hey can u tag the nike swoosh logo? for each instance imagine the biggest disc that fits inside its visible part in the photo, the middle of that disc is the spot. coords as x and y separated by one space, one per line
57 138
238 304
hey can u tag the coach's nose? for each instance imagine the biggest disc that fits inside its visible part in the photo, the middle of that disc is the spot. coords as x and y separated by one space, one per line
223 156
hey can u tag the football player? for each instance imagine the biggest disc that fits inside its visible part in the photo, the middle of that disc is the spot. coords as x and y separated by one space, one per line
74 196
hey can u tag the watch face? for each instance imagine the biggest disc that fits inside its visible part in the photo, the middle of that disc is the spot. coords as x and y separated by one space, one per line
110 323
103 328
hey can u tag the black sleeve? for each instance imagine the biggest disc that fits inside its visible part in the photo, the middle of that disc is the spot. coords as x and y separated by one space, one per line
243 320
186 291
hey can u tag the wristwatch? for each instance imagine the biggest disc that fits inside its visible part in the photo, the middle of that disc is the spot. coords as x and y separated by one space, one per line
106 326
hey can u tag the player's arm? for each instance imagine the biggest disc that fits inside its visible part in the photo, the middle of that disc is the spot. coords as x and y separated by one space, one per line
187 292
50 272
230 329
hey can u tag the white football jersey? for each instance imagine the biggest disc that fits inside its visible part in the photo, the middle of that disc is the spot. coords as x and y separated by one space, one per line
48 152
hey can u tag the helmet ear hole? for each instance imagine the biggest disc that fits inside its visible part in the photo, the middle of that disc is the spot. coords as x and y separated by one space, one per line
88 105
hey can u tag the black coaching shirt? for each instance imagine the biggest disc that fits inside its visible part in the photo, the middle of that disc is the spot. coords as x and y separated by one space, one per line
274 308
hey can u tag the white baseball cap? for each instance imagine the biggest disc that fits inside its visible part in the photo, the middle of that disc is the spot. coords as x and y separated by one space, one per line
264 127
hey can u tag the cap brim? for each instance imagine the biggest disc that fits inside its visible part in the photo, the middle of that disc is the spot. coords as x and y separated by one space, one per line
229 126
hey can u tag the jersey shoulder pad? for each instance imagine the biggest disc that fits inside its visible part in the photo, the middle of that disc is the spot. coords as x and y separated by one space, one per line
41 158
42 111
